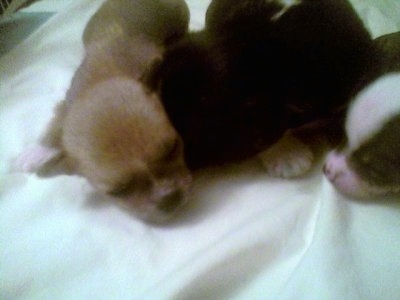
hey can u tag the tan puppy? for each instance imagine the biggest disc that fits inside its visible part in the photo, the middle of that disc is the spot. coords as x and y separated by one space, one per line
110 128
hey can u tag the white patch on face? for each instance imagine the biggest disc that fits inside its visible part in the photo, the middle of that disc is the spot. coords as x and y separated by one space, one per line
371 108
287 4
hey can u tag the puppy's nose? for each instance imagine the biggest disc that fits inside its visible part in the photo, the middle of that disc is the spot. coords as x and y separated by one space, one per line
171 201
330 173
326 170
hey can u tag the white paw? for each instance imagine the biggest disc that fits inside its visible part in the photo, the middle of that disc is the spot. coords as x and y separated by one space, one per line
288 158
34 158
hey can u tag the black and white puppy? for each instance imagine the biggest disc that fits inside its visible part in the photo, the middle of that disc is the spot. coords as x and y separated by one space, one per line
369 163
258 69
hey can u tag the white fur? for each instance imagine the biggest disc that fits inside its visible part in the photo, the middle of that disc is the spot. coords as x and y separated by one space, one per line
372 108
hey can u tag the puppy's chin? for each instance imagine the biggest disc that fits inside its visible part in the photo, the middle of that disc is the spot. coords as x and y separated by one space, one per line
348 182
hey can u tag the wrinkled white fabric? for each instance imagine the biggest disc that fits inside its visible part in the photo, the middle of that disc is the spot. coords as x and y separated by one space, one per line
243 235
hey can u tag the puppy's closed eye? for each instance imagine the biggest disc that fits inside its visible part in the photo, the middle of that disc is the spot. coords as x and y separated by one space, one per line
137 183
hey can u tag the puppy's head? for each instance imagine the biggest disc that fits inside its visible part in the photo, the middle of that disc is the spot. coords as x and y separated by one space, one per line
118 136
369 163
160 21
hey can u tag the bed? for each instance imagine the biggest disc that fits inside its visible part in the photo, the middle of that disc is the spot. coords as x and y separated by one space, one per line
243 235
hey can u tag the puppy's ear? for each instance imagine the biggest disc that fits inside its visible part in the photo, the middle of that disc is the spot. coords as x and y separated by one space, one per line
44 161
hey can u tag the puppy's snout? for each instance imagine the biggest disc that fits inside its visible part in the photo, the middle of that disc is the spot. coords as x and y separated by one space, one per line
171 201
325 169
334 166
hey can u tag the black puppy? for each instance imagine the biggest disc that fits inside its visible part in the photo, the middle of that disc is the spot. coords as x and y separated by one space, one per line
257 69
369 162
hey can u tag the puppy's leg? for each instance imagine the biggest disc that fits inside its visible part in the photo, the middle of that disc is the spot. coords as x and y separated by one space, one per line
48 153
287 158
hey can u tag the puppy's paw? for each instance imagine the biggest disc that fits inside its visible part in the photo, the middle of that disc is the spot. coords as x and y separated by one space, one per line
288 158
34 159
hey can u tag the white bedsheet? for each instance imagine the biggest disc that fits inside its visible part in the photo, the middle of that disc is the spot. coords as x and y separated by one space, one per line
243 235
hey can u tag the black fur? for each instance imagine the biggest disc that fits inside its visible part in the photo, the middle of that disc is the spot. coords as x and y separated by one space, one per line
232 89
378 160
389 47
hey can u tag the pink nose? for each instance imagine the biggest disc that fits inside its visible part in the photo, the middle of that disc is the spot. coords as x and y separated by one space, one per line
334 166
328 173
342 177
